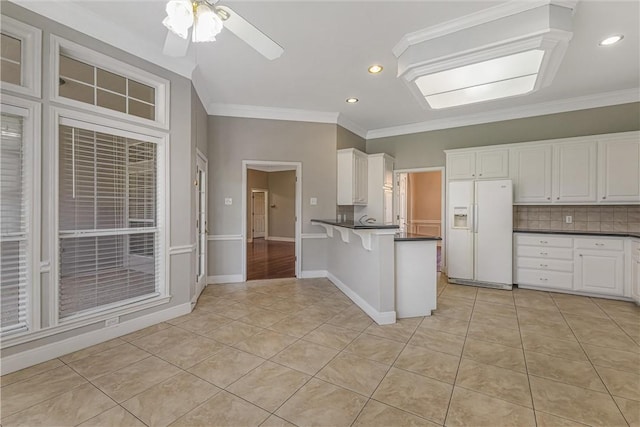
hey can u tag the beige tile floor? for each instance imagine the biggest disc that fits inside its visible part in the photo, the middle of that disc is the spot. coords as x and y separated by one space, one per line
298 352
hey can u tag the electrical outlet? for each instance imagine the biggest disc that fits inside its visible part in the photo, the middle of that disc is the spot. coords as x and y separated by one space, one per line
111 322
568 219
313 201
228 201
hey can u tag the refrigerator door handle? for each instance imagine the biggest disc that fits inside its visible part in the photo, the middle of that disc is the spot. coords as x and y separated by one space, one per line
475 218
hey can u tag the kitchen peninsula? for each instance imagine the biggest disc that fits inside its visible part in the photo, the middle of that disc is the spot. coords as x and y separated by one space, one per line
387 274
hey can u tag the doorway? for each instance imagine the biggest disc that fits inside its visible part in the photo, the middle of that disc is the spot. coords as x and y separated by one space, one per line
420 204
271 230
201 222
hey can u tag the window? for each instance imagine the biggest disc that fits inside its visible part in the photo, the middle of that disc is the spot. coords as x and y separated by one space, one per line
99 83
109 224
14 243
20 50
92 85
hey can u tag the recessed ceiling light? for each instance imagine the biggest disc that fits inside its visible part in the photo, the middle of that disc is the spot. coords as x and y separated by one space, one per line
352 100
611 40
375 69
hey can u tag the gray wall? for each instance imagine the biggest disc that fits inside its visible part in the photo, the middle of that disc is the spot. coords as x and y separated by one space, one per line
182 265
282 204
425 149
347 139
232 140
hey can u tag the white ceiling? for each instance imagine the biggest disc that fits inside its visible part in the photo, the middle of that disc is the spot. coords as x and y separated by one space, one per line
328 46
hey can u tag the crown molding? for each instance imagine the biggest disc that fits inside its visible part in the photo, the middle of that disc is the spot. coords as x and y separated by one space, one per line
289 114
561 106
74 16
351 126
477 18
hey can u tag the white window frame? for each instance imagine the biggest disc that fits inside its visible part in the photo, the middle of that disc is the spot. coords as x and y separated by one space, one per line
31 54
30 112
127 130
107 63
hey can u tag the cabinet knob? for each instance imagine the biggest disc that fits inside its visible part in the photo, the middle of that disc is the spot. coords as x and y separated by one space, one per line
480 174
473 174
548 198
557 198
604 197
580 254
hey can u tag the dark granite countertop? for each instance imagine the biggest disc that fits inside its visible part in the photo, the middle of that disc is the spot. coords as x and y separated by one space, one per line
403 237
355 224
582 233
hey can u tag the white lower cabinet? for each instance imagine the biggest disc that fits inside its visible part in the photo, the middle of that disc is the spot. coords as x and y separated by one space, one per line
599 272
580 264
635 270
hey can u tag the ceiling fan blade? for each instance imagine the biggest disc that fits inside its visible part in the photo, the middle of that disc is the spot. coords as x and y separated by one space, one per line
175 45
251 35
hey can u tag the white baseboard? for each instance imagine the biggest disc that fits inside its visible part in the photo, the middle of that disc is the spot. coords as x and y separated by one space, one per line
224 278
312 274
281 239
380 317
47 352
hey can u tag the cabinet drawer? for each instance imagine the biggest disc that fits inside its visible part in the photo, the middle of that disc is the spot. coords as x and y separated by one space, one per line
543 252
547 279
603 244
544 240
544 264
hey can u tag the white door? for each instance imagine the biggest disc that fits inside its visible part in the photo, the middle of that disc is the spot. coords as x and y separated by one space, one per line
201 224
460 230
401 216
493 225
259 214
599 272
574 172
531 174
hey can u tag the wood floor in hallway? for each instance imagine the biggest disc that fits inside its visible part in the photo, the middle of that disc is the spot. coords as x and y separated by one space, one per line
268 259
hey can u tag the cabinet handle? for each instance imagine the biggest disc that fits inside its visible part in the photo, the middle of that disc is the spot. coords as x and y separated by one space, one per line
580 254
473 174
544 265
599 244
543 241
548 198
480 174
544 279
557 198
604 197
544 253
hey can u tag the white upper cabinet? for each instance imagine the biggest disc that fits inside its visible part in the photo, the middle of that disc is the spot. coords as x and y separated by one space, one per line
619 169
492 164
530 169
574 172
461 165
482 164
352 177
388 172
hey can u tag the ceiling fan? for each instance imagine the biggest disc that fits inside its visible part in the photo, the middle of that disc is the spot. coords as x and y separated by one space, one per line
206 19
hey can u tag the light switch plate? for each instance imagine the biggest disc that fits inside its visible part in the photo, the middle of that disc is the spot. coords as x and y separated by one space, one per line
228 201
313 201
568 219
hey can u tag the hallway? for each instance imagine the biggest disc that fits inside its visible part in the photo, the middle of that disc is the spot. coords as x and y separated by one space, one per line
268 259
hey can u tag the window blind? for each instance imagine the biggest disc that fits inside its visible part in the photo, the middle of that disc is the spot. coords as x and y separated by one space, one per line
13 227
108 204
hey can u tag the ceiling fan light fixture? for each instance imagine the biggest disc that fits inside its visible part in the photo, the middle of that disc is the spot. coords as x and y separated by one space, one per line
179 17
207 24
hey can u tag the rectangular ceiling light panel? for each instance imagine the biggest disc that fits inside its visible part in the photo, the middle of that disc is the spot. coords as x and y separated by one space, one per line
483 81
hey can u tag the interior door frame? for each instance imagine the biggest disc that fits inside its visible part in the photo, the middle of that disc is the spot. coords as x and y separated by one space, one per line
443 200
266 212
201 282
278 166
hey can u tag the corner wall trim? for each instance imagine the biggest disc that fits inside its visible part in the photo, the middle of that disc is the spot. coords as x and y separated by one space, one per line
380 317
46 352
224 278
224 237
281 239
312 274
184 249
314 236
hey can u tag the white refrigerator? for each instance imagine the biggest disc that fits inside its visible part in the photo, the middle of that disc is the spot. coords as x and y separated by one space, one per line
479 233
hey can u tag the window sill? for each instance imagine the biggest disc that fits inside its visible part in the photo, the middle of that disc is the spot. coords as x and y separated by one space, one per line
91 319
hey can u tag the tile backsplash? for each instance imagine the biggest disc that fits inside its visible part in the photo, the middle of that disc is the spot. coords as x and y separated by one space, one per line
585 218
